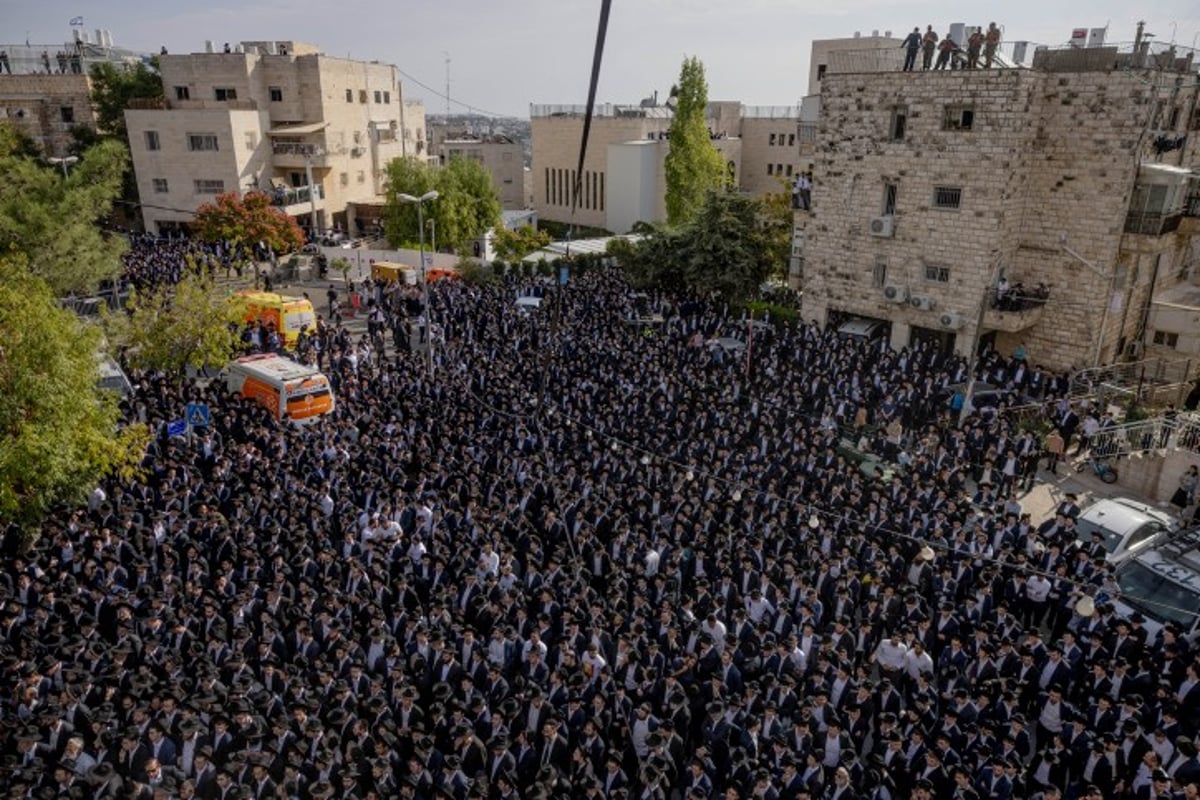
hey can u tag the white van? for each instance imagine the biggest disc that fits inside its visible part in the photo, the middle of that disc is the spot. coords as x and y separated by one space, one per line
289 390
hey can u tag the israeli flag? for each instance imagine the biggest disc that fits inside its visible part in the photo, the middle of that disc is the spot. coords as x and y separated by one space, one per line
76 20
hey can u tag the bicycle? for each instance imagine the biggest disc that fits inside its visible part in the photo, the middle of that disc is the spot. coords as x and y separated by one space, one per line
1106 472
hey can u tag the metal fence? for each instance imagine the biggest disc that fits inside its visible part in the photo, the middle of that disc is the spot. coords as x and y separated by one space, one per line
1178 432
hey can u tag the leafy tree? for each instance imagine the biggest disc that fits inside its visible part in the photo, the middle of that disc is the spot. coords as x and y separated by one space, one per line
515 245
242 221
51 220
172 328
58 430
466 207
343 266
777 223
694 166
726 251
114 87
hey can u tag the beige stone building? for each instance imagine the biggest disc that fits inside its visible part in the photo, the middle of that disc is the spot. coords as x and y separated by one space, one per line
931 187
499 155
46 107
764 147
315 131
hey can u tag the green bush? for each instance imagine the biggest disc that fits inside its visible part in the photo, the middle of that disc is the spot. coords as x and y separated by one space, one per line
499 268
477 274
779 315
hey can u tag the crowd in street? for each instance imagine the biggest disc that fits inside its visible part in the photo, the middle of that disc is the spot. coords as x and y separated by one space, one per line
585 556
153 261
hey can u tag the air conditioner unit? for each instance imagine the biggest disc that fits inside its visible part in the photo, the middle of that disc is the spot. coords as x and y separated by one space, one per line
921 302
882 226
895 293
950 321
1134 349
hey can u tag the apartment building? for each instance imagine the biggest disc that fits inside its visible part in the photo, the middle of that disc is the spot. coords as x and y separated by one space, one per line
623 180
500 156
1078 174
314 131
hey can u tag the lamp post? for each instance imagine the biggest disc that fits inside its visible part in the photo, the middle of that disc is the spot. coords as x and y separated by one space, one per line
64 163
420 203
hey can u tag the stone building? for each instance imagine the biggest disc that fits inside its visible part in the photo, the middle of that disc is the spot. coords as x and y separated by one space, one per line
500 156
314 131
764 147
930 188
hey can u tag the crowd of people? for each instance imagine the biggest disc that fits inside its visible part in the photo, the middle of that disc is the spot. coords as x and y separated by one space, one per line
586 557
153 261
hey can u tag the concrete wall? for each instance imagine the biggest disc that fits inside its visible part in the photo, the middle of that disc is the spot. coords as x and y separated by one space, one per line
635 191
773 142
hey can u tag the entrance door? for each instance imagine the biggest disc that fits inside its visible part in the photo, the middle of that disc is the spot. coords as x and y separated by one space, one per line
942 341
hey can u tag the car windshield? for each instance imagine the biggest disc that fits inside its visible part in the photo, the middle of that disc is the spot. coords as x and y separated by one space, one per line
1156 596
1110 540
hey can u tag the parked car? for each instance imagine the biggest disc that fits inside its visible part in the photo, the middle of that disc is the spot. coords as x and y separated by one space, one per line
1124 525
1162 583
864 330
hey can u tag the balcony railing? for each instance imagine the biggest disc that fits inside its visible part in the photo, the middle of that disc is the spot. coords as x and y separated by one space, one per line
1191 206
1145 223
290 196
297 149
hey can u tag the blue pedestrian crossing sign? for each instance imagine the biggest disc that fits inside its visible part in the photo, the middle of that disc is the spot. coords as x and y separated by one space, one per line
197 415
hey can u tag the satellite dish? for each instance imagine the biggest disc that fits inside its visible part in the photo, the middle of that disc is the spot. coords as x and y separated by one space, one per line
1085 606
926 553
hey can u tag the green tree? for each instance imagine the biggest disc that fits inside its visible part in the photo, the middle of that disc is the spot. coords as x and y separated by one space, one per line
58 430
516 244
114 87
172 328
466 207
243 221
726 251
51 220
694 166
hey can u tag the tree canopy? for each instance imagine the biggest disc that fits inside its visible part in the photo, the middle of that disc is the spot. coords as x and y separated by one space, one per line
728 250
113 87
51 220
466 207
515 244
58 430
175 327
694 166
242 221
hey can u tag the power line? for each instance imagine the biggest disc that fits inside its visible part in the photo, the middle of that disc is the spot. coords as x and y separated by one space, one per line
475 109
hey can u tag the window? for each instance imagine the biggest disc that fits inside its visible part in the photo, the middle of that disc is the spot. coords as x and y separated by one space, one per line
209 186
225 92
601 191
958 118
789 170
547 176
344 178
378 97
879 273
251 140
160 185
1166 339
947 197
821 71
935 274
276 93
183 93
349 95
779 169
67 114
889 199
152 142
899 124
387 98
1172 121
770 169
771 140
791 140
362 95
197 142
361 177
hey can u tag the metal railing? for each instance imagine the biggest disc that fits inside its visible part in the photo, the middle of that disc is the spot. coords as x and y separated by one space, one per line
297 194
1178 432
1152 223
771 112
1139 381
1191 206
297 149
600 110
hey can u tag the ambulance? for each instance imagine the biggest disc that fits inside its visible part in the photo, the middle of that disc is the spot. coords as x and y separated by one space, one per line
287 315
292 392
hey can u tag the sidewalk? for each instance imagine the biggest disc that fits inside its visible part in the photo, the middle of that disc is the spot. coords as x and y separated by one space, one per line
1052 489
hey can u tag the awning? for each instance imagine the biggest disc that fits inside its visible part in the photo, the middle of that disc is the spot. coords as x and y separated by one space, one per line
298 130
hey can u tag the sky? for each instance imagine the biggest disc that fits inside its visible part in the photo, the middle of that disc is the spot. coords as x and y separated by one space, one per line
506 54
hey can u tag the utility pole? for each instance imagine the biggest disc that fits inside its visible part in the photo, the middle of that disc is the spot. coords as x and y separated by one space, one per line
447 55
973 361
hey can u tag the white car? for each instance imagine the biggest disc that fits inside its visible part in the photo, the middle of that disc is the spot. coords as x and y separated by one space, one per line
1125 525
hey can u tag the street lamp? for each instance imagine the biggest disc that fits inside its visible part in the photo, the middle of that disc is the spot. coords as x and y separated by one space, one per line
64 162
420 203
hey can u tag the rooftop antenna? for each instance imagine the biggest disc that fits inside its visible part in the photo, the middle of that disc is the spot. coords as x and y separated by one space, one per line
447 55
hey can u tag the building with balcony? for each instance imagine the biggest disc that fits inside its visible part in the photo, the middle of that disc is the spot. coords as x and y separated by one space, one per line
1074 173
276 116
764 147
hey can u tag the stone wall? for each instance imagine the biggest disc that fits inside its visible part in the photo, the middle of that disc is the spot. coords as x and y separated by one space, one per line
46 107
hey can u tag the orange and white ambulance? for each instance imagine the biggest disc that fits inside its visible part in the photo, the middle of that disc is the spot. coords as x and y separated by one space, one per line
291 391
